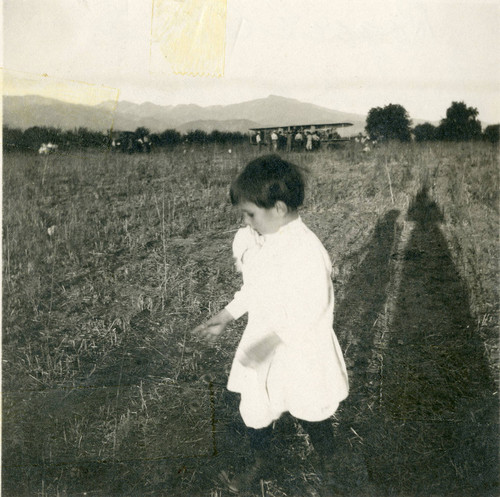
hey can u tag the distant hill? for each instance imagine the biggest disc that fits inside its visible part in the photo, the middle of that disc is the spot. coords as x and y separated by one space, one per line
31 110
280 111
234 125
26 111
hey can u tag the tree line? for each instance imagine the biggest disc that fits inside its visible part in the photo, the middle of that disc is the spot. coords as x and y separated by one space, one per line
32 138
461 123
391 122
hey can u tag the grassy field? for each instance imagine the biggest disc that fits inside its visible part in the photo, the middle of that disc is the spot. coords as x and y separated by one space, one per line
110 260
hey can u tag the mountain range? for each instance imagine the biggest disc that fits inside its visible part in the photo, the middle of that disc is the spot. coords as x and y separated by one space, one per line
30 110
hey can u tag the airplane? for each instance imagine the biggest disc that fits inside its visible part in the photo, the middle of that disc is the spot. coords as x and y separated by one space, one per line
311 136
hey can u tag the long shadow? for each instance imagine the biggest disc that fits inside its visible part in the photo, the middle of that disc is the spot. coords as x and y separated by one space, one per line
364 299
439 408
356 315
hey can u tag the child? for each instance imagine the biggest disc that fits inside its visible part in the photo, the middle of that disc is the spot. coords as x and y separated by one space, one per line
288 359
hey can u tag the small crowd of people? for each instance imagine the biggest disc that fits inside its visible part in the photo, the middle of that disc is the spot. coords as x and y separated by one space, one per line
129 142
365 142
47 148
290 140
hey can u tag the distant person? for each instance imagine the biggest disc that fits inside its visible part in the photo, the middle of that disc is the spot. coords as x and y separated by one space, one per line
309 141
288 358
316 141
281 140
299 140
289 136
258 140
274 140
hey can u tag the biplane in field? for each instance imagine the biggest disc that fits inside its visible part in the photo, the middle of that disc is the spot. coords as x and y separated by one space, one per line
298 136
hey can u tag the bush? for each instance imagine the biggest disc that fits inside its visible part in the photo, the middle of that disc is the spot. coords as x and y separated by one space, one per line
492 133
425 132
388 123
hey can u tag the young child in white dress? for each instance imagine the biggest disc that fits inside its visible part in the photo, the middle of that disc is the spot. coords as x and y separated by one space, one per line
288 358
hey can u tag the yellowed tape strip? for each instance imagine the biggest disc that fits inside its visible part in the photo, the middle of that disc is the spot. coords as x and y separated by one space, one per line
191 35
71 91
67 90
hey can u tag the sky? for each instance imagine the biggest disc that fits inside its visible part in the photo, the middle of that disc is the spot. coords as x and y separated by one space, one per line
345 55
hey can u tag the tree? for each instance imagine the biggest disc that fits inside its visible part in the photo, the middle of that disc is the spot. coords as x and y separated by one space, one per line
88 138
492 133
460 123
425 132
225 137
197 136
36 135
12 138
388 123
141 132
217 136
169 137
142 140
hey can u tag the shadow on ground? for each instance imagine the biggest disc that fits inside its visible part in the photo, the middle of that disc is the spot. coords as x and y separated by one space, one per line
420 420
126 429
427 419
356 317
439 399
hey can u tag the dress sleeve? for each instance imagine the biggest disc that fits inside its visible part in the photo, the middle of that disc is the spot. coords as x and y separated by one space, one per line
241 243
238 306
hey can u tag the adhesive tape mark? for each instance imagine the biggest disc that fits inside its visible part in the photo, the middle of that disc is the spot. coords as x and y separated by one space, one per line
191 35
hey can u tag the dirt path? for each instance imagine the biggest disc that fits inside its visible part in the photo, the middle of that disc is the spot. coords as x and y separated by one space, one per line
422 415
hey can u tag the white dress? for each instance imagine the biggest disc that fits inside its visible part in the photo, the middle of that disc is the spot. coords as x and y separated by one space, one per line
287 291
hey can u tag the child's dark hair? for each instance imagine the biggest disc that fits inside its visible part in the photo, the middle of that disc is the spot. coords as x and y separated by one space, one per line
268 179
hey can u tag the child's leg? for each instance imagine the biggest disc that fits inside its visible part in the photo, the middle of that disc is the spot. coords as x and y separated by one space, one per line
322 437
260 441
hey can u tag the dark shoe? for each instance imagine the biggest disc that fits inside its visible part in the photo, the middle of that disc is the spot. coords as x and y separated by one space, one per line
329 486
246 479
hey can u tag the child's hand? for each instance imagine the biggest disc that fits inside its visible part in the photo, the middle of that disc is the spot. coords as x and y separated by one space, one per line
257 353
212 328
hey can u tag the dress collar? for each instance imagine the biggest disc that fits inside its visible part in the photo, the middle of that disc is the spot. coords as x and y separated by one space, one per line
285 229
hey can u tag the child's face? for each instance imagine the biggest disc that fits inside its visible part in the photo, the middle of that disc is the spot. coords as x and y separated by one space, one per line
264 221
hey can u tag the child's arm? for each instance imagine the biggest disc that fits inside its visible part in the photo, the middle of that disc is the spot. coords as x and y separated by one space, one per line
212 328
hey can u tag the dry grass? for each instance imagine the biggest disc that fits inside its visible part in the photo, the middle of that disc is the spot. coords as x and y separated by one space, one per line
107 393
